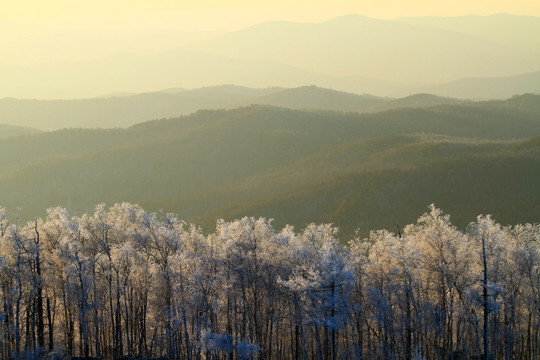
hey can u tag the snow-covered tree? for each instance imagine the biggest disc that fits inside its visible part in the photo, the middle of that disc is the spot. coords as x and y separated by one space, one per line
123 281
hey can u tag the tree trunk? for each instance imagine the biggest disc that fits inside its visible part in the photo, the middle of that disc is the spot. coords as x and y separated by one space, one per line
39 294
485 302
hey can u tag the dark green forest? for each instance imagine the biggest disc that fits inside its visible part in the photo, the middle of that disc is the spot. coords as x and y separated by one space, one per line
296 166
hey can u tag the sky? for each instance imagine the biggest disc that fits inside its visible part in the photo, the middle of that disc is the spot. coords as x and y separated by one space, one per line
37 31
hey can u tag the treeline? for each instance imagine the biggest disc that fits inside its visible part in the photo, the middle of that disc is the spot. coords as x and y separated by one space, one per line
124 282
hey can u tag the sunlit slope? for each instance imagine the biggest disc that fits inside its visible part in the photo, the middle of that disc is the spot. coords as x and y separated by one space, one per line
383 49
502 183
327 165
244 155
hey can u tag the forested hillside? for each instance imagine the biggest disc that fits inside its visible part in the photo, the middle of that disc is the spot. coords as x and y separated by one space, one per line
294 166
122 281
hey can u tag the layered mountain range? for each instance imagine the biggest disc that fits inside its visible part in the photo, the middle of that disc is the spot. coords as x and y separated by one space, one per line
297 166
456 57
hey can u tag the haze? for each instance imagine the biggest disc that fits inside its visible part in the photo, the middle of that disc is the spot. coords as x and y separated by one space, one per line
229 180
55 49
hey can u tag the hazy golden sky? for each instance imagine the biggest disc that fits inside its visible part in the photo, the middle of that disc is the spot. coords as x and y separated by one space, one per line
123 9
35 31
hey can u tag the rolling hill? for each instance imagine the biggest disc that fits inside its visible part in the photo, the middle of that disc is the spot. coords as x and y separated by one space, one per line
127 110
263 160
501 183
121 111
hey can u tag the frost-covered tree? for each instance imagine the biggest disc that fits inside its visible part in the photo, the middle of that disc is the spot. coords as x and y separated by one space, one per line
322 281
446 268
492 240
122 281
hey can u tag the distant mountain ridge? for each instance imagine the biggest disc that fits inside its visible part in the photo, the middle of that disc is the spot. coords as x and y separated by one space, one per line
488 88
127 110
121 111
499 28
350 53
390 50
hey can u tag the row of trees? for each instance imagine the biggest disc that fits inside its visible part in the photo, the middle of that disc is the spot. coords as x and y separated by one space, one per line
126 282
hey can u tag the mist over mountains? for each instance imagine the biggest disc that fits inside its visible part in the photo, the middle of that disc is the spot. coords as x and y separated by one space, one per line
127 110
7 131
124 111
322 118
142 194
498 28
351 53
487 88
389 50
